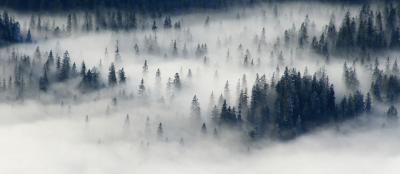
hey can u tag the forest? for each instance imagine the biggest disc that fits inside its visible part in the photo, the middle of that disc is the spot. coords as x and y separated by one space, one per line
135 83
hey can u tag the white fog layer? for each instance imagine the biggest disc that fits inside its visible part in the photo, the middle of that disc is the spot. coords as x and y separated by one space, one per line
294 87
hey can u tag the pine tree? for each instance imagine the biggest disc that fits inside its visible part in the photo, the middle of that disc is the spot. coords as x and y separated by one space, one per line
44 81
74 71
145 67
28 37
177 82
243 107
215 115
195 108
58 64
117 54
160 130
65 68
204 129
395 68
158 77
174 49
227 93
69 24
112 79
368 104
303 35
154 26
142 88
122 77
395 39
345 36
83 69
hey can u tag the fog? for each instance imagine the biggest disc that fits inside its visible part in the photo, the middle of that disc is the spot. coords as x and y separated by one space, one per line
66 144
115 129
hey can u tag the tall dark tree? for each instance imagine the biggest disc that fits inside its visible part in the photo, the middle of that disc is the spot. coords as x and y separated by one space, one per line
177 82
65 68
28 38
121 75
195 110
44 81
112 78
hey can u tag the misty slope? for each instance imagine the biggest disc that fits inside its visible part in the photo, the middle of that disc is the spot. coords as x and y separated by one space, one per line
241 90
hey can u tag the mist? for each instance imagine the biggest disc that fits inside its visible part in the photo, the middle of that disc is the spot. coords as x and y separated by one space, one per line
201 90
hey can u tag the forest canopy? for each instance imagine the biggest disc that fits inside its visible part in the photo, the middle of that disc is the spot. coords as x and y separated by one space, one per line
140 5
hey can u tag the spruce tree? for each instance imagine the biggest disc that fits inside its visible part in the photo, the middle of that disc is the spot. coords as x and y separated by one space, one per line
28 38
65 68
122 77
142 88
112 79
195 110
204 129
177 82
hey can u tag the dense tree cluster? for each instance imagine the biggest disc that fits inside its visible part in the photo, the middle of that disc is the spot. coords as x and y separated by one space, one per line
370 30
24 76
293 105
138 5
10 31
350 77
385 85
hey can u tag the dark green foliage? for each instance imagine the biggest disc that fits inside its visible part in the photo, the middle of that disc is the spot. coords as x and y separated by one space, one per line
386 87
134 5
167 22
303 35
28 38
204 129
44 81
350 77
228 115
10 30
370 30
295 105
368 104
177 82
351 106
64 71
83 69
195 110
303 102
121 75
112 78
90 80
259 110
345 38
142 88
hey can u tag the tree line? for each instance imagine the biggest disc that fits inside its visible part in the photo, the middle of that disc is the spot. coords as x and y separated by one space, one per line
138 5
370 30
286 107
24 75
10 31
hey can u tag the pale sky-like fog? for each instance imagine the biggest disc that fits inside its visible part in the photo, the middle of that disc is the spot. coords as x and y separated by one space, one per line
55 133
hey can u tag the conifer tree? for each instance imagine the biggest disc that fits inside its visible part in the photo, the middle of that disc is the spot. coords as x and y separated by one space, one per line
177 82
195 111
28 38
204 129
142 88
121 75
112 79
65 68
